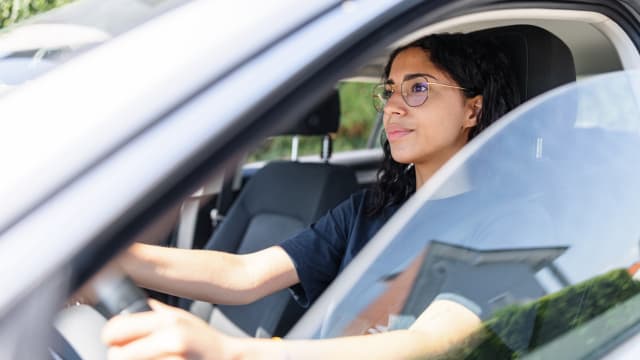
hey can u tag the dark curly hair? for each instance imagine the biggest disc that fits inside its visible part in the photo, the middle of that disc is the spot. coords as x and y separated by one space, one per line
475 64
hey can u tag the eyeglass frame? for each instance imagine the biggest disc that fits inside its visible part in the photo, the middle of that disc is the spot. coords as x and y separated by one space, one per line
403 95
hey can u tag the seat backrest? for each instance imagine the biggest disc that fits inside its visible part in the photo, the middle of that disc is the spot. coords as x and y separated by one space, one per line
280 200
540 60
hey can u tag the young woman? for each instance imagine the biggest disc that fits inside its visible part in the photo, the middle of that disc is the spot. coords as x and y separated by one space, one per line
437 94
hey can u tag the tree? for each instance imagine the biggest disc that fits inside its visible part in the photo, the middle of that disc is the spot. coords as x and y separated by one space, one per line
13 11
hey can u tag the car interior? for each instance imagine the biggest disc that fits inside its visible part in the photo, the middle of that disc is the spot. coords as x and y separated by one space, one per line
255 205
534 78
280 200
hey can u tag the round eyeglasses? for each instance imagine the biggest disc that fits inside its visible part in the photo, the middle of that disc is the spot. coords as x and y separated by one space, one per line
415 91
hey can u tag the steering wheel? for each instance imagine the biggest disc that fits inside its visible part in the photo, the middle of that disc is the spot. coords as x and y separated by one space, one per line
117 294
77 332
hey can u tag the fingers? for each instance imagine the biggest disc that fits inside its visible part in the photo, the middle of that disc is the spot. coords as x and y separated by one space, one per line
164 308
125 328
164 333
163 344
122 329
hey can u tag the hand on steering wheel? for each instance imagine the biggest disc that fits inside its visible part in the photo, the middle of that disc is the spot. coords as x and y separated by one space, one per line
117 294
165 332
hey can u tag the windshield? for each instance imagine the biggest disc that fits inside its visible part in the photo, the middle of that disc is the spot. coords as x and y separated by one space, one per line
33 46
533 226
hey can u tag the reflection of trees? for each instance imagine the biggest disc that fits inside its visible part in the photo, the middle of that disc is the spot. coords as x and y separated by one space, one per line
516 330
12 11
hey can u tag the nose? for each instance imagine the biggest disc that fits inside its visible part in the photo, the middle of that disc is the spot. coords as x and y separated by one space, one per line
395 105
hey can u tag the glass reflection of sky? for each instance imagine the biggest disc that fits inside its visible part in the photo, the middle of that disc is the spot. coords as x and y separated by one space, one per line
563 173
576 153
16 71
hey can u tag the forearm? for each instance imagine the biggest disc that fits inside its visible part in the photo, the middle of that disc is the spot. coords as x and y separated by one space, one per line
167 331
400 344
197 274
442 326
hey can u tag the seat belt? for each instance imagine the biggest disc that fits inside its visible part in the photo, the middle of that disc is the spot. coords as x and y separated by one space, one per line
225 197
232 180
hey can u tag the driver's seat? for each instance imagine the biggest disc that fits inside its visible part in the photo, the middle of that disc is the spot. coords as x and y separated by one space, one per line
280 200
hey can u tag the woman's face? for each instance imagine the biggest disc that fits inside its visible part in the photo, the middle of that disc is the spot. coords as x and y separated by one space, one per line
434 131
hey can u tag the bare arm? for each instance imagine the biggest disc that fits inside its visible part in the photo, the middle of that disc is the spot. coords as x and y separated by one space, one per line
169 332
211 276
442 325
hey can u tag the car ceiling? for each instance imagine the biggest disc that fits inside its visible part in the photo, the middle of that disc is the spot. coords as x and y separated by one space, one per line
593 52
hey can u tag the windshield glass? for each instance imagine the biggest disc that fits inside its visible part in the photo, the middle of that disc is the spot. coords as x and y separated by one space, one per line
534 227
37 44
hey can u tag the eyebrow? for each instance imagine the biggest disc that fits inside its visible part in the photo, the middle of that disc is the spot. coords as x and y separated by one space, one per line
411 76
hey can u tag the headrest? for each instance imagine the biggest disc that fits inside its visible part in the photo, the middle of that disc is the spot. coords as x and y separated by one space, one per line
540 60
323 118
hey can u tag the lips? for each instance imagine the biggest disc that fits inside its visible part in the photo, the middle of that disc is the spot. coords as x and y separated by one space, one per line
395 132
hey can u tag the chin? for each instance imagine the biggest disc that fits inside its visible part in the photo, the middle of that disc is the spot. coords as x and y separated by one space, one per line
402 158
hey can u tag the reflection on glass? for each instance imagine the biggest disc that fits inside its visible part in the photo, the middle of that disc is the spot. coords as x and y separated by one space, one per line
536 231
487 278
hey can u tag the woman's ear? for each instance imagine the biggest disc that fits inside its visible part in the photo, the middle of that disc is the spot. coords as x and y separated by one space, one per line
474 108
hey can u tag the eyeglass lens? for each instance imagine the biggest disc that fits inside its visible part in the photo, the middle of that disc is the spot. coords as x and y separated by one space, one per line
414 92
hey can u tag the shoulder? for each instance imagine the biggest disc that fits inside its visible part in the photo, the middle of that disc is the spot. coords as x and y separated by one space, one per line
356 202
360 204
361 196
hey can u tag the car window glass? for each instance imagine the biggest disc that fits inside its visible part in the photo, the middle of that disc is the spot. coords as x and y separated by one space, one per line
37 36
357 120
533 227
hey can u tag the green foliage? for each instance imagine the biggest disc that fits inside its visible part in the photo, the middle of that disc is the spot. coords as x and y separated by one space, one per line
13 11
357 117
516 330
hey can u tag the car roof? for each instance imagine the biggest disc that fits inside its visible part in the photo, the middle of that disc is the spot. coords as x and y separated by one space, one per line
595 40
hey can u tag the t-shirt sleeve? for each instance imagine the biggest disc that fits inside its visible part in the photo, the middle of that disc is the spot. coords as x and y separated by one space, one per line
317 251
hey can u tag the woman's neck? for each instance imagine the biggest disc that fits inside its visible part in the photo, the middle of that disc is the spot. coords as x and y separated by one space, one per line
424 172
456 184
426 168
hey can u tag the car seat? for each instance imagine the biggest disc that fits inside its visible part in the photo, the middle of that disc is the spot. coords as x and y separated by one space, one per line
280 199
541 61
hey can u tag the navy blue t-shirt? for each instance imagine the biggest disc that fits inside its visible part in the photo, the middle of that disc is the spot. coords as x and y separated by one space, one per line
324 249
321 251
